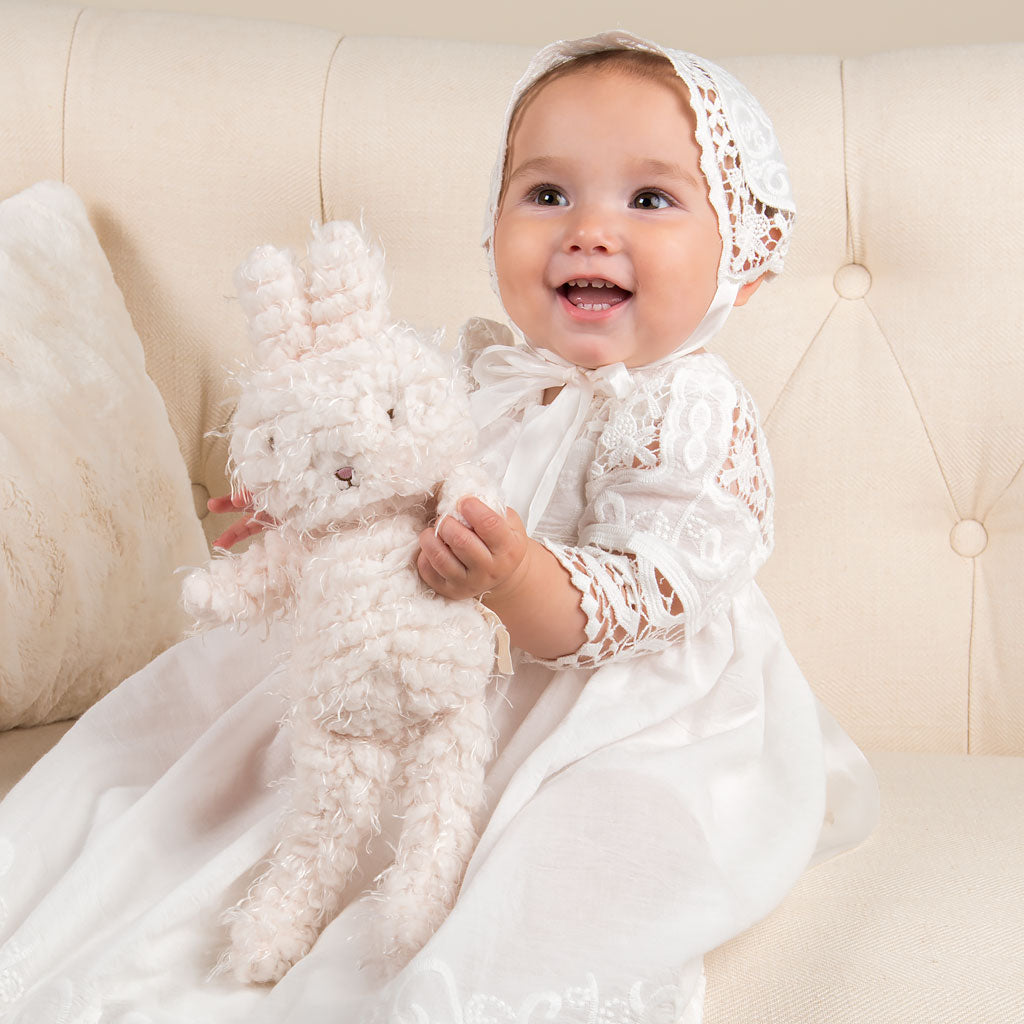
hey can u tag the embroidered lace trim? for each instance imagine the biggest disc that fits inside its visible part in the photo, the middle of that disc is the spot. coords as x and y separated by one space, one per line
622 616
746 472
759 231
642 1003
679 515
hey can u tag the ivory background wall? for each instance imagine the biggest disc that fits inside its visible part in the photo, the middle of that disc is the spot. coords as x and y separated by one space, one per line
725 27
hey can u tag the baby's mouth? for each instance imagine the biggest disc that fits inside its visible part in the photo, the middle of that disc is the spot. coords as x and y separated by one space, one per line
593 293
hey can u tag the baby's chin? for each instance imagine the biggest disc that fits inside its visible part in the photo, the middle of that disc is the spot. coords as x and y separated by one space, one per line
585 358
592 352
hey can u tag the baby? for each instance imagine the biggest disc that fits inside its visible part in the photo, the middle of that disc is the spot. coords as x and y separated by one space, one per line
607 252
665 770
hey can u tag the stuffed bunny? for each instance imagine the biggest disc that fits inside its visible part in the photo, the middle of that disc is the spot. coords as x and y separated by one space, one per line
346 426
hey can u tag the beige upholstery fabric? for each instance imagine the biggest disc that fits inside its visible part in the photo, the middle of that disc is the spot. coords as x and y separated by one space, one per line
927 914
35 42
216 142
884 359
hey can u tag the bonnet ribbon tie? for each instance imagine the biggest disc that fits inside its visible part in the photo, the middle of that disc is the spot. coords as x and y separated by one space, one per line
512 375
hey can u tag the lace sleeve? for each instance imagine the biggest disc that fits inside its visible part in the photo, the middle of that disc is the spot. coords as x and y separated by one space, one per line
678 518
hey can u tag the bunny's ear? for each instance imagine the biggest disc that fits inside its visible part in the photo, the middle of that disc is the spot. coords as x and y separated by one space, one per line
271 287
347 287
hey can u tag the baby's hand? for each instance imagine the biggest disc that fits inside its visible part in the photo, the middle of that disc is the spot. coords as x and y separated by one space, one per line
248 525
458 561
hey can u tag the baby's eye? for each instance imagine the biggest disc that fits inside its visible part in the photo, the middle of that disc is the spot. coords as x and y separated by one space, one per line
651 199
545 195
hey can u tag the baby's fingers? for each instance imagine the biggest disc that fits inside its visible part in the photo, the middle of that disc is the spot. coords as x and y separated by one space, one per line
221 505
465 545
237 532
499 533
230 502
430 575
441 558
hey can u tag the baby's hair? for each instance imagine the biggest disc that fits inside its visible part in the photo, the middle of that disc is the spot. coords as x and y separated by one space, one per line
642 64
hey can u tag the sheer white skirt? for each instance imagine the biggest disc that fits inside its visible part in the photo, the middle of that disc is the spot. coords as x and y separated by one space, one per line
640 815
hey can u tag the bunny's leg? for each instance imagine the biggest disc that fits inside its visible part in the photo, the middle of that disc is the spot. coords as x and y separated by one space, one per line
442 788
339 787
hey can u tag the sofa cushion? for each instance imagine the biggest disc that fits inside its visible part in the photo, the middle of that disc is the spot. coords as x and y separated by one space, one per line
921 923
96 509
21 748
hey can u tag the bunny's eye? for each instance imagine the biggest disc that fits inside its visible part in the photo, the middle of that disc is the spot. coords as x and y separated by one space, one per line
270 441
391 414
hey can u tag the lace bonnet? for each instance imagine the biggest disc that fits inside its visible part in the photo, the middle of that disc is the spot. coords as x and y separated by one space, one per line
747 179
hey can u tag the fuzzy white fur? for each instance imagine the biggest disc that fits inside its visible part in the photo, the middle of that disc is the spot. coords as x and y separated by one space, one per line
96 508
346 426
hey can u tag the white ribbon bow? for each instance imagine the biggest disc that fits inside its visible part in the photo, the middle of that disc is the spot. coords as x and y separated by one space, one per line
512 375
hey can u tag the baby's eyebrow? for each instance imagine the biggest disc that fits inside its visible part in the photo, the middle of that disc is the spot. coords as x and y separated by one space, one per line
644 166
537 165
664 168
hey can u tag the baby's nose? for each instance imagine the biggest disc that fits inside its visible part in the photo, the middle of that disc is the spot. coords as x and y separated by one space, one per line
592 232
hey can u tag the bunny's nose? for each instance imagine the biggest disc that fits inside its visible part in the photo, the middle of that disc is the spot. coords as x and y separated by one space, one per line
345 474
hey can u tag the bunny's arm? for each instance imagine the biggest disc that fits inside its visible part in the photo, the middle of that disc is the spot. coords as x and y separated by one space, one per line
468 481
251 585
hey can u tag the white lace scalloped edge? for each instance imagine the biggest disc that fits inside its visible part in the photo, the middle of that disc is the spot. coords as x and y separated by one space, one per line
643 1003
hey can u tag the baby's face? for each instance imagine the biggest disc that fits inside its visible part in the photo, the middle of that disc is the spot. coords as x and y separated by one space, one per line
606 245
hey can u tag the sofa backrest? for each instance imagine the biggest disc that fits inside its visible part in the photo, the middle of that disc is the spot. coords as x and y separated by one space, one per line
885 360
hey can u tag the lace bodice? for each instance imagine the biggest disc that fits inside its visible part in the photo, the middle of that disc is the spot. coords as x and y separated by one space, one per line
663 509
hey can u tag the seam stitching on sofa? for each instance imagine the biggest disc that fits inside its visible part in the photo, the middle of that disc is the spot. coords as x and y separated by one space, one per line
800 362
846 167
917 407
323 120
64 95
999 497
970 649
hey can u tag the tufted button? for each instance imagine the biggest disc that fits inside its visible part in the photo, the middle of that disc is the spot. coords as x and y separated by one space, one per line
200 496
968 538
852 281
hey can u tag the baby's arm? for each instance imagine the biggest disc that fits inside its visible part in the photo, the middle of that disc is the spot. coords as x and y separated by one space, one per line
675 526
517 578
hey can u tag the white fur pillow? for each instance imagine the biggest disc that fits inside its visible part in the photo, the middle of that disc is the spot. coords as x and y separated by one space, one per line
95 506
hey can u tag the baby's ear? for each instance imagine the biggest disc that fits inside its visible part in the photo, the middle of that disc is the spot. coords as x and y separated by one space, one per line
748 289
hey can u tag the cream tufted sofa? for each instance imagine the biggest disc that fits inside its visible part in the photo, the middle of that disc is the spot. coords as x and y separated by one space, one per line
887 362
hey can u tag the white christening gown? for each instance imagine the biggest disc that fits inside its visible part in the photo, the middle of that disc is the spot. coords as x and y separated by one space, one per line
653 795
